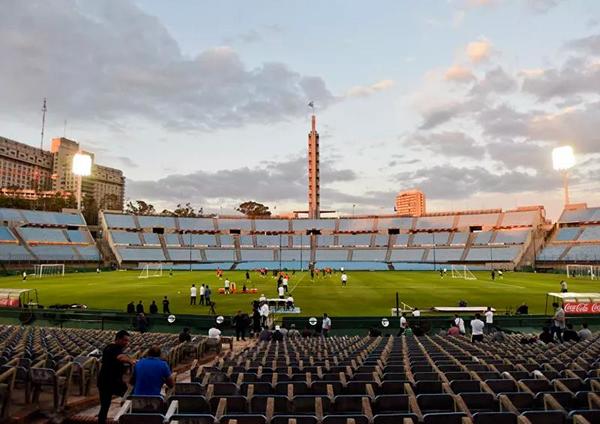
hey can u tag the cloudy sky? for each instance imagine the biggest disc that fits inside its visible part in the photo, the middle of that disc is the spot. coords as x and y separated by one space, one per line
207 101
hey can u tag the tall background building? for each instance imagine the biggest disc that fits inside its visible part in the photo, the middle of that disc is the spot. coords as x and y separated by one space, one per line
23 167
410 203
314 195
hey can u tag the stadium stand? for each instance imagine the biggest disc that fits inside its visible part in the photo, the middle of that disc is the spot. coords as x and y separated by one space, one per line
384 380
64 363
575 239
479 238
35 236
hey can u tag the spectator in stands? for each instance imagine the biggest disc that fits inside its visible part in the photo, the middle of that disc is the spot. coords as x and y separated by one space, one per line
563 287
489 319
281 292
453 330
374 332
546 336
262 298
403 324
154 307
207 294
460 323
307 332
202 292
193 293
214 340
185 335
558 321
256 320
416 312
110 377
585 332
139 309
283 330
141 323
325 325
277 334
265 335
523 309
264 314
293 333
131 308
240 325
150 373
477 327
166 309
569 334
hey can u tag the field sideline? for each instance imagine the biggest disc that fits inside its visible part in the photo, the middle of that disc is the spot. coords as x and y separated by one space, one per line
367 293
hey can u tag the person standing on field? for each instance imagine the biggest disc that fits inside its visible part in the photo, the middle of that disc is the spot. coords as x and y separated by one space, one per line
193 292
344 279
202 292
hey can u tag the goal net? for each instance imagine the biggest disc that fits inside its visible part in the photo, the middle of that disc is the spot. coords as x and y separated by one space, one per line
49 270
583 271
151 269
461 271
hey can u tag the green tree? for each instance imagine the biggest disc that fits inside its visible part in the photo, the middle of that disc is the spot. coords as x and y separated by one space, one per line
90 210
253 209
140 207
187 211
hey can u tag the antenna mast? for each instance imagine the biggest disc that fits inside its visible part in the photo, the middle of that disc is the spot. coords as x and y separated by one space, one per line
44 110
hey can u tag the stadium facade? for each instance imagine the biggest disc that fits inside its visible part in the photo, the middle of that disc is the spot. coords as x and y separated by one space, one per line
513 239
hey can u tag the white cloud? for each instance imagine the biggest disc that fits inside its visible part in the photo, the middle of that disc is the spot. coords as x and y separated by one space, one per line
459 74
479 51
367 90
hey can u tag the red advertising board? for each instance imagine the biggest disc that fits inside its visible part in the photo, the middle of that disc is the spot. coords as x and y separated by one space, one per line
578 308
9 302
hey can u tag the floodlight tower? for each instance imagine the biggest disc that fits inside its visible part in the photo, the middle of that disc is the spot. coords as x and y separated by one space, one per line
82 167
314 196
563 159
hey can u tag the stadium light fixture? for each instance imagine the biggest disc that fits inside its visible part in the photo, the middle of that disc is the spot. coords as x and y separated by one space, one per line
563 159
82 167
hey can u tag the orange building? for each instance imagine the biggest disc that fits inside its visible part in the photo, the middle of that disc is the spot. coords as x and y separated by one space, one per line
410 203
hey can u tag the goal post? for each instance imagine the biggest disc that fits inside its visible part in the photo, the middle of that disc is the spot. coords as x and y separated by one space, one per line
151 269
462 271
49 270
591 272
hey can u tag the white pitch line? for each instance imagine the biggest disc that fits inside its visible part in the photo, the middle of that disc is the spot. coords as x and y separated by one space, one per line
509 285
297 284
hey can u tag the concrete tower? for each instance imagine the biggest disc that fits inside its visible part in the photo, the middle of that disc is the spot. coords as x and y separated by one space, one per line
314 188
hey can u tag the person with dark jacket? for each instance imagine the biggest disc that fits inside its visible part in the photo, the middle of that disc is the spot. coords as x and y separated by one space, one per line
277 335
545 336
569 334
165 303
185 336
240 326
139 309
154 307
110 377
141 323
256 321
131 308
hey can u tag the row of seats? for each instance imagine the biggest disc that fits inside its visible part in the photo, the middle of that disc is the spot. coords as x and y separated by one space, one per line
61 361
387 380
443 222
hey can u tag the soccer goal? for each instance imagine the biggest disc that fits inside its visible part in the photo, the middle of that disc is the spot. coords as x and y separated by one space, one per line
461 271
583 271
49 270
151 269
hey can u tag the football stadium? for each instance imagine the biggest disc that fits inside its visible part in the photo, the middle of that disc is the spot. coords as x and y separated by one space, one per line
443 311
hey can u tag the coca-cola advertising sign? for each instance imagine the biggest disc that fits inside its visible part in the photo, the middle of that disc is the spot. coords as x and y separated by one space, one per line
576 308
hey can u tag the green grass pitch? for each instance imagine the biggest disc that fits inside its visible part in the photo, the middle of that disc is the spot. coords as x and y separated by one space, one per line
367 293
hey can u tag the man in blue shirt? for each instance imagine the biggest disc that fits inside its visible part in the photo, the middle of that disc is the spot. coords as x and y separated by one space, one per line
151 373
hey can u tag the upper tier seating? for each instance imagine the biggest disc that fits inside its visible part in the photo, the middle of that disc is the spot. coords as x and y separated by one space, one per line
6 235
21 216
577 242
357 225
272 225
